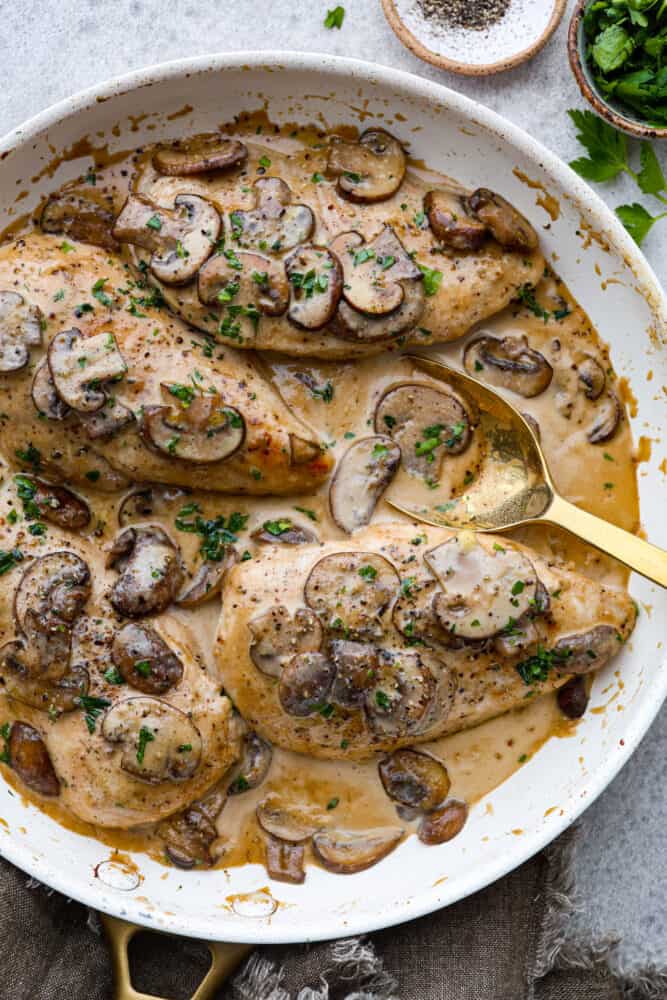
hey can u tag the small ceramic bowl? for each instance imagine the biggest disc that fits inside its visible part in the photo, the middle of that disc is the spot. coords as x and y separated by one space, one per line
612 113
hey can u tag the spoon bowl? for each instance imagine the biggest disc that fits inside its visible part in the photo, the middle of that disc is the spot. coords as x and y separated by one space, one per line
513 485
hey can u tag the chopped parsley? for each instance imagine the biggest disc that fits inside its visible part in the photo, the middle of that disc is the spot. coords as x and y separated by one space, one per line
277 528
310 283
155 222
145 737
113 676
92 708
98 292
30 455
332 803
382 700
308 512
215 533
335 18
368 572
9 558
143 667
537 667
432 279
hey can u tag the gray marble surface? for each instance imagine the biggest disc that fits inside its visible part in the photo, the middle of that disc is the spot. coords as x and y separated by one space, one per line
51 48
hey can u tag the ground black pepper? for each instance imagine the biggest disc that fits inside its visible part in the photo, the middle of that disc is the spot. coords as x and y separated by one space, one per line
474 15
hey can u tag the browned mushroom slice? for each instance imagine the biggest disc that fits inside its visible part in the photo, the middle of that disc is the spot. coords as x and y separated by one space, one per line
414 779
362 475
159 742
253 767
277 636
284 861
86 217
374 272
509 363
148 501
507 225
80 365
573 697
316 278
179 239
208 580
517 639
30 759
402 696
413 615
199 428
108 420
350 324
44 395
591 376
305 683
20 329
145 660
247 285
356 664
608 414
39 692
55 588
283 531
189 835
450 222
351 592
444 824
482 590
347 853
285 822
585 651
426 423
182 160
370 169
56 504
275 224
150 569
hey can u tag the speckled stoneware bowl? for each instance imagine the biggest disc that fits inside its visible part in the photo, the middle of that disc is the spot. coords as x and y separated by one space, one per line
525 28
611 279
620 118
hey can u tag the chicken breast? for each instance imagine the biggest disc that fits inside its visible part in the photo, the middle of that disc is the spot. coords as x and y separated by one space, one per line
112 389
132 720
387 640
281 216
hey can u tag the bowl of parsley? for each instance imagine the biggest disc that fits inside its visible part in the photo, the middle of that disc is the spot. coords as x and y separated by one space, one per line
618 52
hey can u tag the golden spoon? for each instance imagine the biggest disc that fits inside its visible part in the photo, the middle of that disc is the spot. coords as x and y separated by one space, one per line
514 486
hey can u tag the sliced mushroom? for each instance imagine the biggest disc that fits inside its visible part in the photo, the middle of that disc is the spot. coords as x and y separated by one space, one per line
403 693
283 531
444 824
517 639
351 592
253 767
356 664
590 650
45 655
44 395
275 224
20 329
159 742
56 504
183 160
573 697
414 779
509 363
426 423
507 225
150 569
189 835
370 169
362 475
451 223
208 580
375 274
80 365
347 853
147 501
277 636
179 239
592 377
350 324
86 217
199 430
38 692
284 861
316 280
482 590
145 660
608 414
286 823
108 420
30 759
413 615
305 683
55 589
247 286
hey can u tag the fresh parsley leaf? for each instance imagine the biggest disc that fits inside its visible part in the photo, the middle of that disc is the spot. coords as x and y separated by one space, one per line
650 178
637 220
335 18
145 737
606 147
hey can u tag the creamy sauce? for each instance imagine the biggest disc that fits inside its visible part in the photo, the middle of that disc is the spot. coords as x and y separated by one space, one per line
601 479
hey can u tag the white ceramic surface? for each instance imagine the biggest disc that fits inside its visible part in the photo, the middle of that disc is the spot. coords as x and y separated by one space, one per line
612 281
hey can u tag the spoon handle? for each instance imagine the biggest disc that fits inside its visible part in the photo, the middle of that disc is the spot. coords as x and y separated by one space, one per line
639 555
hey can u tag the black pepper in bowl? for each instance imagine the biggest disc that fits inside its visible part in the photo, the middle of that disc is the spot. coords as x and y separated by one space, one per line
473 15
